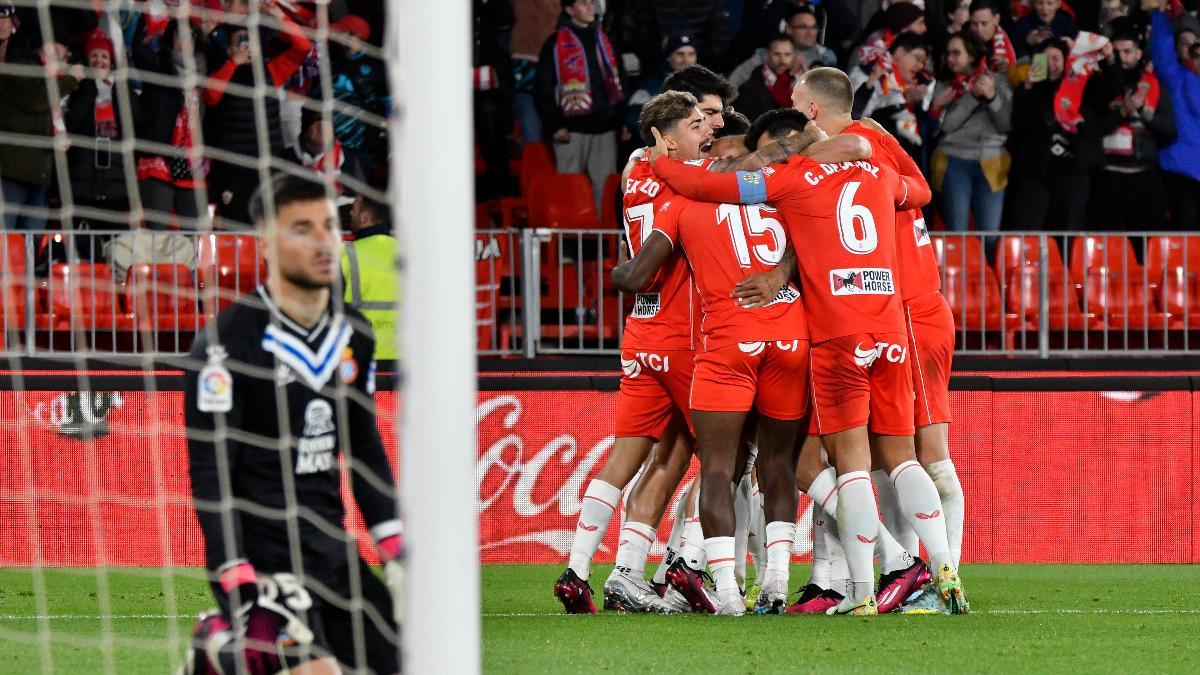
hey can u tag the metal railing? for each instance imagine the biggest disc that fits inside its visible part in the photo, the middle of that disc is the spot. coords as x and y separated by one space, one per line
547 291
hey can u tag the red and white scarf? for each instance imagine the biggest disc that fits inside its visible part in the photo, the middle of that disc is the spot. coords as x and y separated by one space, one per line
575 95
1083 61
1003 54
1120 141
961 84
780 86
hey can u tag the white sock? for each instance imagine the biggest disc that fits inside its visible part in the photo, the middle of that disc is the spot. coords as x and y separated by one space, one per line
893 518
839 571
636 539
674 541
757 537
920 504
781 535
823 491
693 544
720 562
595 511
858 524
741 529
945 479
821 564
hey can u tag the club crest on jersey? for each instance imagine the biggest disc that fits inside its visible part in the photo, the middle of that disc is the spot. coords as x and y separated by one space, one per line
646 305
751 177
921 232
349 367
862 281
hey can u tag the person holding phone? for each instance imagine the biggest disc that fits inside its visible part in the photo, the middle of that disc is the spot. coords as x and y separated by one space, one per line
1047 21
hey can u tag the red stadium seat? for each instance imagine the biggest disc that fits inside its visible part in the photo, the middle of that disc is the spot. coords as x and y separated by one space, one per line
610 214
562 201
1120 300
1109 252
1164 254
229 266
974 297
963 253
1063 304
82 297
13 287
1179 294
162 297
536 160
1017 252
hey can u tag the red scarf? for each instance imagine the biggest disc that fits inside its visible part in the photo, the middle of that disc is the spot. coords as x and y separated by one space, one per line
571 65
962 83
780 86
1003 54
1120 141
1083 61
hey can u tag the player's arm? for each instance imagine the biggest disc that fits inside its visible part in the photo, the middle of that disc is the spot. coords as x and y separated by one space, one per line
213 454
636 274
810 144
760 288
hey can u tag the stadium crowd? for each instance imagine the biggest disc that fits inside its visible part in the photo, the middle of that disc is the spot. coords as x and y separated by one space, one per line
1023 115
192 80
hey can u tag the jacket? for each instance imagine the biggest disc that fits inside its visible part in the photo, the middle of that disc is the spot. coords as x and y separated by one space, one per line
1151 129
605 115
1040 146
1062 26
96 173
973 129
371 281
25 110
645 22
1183 87
754 98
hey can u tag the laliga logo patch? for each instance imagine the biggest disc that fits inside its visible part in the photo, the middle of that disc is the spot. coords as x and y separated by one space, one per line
752 348
215 386
349 367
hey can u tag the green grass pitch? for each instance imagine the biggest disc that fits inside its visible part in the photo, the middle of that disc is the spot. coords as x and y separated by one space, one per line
1027 618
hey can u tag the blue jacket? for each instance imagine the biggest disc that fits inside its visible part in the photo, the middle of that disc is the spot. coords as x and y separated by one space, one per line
1183 86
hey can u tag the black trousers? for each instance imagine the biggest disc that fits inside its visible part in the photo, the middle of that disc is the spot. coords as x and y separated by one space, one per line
1184 193
1129 201
1057 201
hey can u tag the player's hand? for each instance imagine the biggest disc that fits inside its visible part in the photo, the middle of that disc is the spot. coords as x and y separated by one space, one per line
660 146
260 648
758 289
391 552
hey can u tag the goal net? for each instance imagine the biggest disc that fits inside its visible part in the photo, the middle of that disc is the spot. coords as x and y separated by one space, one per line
133 138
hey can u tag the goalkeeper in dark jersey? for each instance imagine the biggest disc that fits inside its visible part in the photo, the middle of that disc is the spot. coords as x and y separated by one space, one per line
279 386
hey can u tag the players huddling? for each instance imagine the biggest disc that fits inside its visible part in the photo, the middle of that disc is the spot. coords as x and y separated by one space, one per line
814 351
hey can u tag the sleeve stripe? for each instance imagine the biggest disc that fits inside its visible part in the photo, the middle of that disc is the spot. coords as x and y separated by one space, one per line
752 187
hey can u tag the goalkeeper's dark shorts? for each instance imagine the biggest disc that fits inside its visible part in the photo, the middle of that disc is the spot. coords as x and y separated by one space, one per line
324 608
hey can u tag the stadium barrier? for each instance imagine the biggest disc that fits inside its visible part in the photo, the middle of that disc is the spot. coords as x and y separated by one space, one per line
1055 469
549 291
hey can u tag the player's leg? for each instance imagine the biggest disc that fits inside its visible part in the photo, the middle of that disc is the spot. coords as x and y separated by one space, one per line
826 586
718 434
626 589
933 452
741 530
367 642
674 541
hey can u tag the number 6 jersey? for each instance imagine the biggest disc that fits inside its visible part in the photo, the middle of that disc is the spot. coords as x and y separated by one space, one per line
841 219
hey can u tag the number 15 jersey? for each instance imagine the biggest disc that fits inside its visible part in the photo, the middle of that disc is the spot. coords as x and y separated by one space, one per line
841 219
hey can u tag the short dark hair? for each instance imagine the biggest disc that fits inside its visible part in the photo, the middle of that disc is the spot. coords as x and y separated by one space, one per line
700 82
782 37
380 212
663 111
909 42
1057 43
831 85
972 43
774 124
977 5
735 124
797 11
285 189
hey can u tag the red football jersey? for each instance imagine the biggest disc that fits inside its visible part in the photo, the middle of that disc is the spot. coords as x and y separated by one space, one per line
918 263
842 220
665 316
724 243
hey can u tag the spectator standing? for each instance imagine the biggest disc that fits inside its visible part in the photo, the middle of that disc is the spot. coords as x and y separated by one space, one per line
97 167
1002 54
804 30
169 116
1047 21
1129 191
970 165
580 95
897 19
644 23
1180 160
891 88
370 274
232 118
1051 161
770 87
493 85
534 22
27 108
680 52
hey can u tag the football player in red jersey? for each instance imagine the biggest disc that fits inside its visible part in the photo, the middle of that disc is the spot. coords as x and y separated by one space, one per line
844 214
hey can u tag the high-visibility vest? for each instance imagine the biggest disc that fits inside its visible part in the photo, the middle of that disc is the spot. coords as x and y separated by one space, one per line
369 268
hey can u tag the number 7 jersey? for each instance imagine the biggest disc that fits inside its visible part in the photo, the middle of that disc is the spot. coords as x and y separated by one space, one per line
841 219
665 316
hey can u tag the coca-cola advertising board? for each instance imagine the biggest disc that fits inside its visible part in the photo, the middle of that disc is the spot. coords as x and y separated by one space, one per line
91 478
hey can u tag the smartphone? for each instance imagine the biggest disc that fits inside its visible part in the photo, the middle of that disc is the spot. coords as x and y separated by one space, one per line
1038 69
